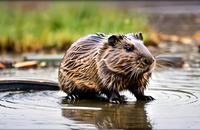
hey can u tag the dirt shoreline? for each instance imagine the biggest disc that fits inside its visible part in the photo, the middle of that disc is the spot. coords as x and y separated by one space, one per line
185 55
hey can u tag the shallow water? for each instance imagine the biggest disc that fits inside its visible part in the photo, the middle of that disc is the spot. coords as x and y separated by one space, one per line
177 105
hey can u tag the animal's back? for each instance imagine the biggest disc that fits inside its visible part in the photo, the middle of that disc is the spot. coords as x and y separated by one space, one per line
78 68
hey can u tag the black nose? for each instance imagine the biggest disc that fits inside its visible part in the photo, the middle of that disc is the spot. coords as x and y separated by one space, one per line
148 60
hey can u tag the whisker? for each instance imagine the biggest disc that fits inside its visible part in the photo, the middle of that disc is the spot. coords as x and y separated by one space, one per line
160 67
166 63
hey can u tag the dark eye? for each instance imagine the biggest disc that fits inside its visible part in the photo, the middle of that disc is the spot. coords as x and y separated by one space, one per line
128 47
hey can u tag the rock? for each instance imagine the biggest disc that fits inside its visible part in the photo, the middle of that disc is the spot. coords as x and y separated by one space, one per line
174 38
50 60
175 61
196 36
26 64
7 63
155 39
177 39
2 66
185 40
169 38
42 64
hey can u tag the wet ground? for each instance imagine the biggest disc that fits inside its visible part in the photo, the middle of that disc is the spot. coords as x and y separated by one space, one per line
177 94
177 104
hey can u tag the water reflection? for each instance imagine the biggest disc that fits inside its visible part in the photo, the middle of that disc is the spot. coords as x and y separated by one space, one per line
105 115
177 94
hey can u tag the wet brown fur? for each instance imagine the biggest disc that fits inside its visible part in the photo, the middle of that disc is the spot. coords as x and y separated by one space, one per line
92 65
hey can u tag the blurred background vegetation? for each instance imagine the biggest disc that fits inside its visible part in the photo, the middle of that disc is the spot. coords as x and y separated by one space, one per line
47 26
52 26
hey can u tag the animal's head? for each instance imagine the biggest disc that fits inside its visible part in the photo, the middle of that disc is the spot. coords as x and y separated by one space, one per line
127 55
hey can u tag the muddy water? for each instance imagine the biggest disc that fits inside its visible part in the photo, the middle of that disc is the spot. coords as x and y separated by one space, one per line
177 105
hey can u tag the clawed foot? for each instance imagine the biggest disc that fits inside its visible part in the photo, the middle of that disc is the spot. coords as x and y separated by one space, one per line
145 98
114 98
90 96
117 99
72 97
123 97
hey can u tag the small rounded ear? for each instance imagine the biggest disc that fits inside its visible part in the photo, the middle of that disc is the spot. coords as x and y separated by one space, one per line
140 36
112 40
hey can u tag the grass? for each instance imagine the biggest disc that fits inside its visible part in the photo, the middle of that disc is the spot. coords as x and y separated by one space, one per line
60 24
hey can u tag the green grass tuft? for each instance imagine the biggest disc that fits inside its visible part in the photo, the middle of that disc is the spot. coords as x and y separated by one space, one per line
57 26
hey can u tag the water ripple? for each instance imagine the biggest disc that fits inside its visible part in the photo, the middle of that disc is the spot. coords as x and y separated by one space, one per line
177 94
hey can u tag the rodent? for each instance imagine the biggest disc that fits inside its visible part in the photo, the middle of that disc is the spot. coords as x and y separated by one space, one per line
106 64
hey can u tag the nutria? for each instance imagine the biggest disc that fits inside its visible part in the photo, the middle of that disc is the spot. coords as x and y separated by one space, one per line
106 64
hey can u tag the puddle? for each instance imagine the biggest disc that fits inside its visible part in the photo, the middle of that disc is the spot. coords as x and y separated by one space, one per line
177 94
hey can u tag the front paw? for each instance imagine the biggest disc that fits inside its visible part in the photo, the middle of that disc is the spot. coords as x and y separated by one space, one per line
72 97
145 98
123 98
115 100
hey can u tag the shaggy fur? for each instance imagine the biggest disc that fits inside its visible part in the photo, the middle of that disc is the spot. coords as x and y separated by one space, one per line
101 64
